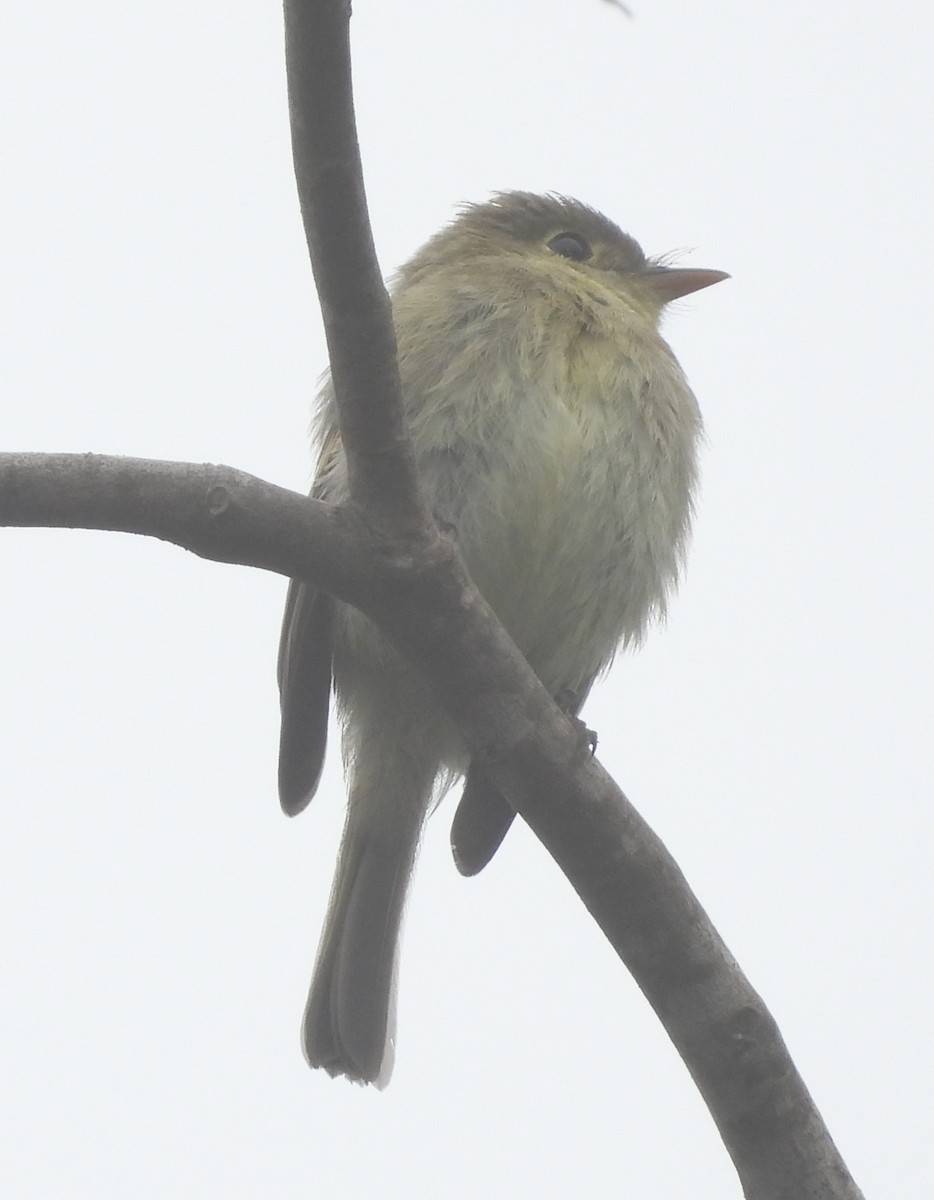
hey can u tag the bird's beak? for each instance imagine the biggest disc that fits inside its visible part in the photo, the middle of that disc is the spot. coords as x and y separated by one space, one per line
668 283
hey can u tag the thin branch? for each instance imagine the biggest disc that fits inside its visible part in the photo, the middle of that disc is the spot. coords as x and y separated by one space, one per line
355 306
421 598
416 590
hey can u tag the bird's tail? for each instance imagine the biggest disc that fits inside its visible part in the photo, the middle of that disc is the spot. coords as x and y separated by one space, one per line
349 1022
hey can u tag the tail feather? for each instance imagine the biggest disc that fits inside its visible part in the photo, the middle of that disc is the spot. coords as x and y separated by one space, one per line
349 1023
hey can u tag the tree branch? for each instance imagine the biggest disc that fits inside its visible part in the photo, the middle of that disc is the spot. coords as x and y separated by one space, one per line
354 303
383 554
422 599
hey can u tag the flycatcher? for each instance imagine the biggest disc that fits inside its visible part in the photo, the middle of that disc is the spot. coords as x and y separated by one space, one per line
556 435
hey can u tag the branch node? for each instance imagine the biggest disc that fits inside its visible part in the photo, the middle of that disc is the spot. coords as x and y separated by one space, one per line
219 500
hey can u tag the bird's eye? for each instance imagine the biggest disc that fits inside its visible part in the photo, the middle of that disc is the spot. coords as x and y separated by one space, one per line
571 245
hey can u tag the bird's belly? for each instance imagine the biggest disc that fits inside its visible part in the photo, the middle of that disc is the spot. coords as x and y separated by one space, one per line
561 533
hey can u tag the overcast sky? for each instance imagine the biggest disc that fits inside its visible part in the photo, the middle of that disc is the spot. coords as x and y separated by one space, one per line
158 915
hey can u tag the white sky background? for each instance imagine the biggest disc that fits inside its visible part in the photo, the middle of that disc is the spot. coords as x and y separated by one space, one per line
158 915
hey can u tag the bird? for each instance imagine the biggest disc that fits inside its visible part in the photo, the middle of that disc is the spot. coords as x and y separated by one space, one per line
556 437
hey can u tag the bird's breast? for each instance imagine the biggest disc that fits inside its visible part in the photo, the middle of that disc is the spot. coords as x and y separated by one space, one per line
569 487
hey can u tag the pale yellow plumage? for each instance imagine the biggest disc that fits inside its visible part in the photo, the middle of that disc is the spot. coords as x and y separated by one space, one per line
555 433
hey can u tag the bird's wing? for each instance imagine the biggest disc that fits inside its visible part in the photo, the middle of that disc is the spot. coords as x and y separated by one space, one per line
484 814
305 649
305 669
480 823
